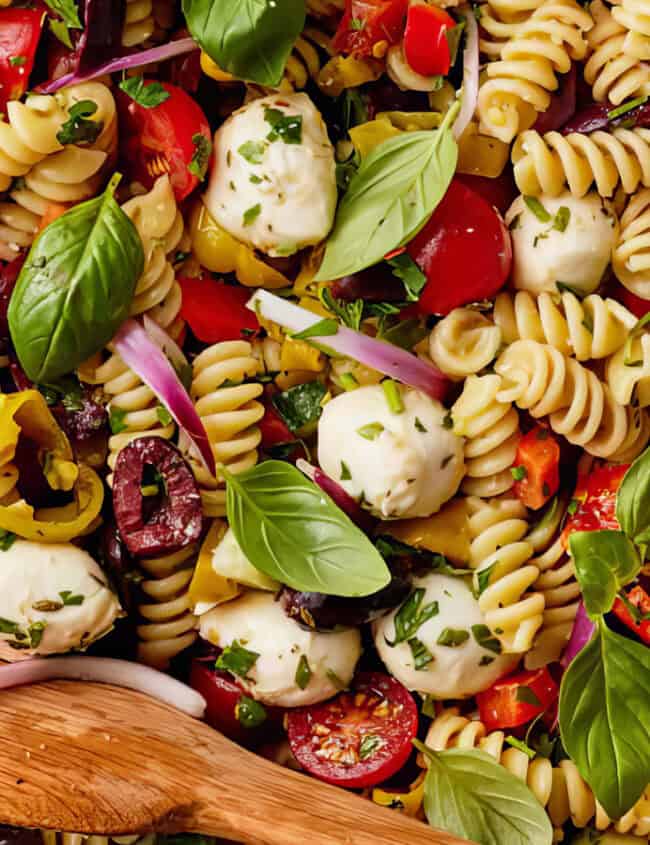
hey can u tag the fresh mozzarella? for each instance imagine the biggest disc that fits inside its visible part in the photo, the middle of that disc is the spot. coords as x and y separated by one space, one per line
56 596
455 671
566 240
276 192
257 622
229 560
399 464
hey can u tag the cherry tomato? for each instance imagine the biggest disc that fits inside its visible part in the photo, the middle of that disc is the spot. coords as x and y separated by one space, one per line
20 32
367 22
361 737
273 429
172 137
635 612
537 467
639 307
464 251
425 39
594 501
216 311
499 192
222 695
517 699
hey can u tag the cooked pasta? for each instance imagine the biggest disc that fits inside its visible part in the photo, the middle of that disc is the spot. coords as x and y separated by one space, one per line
491 431
587 329
628 373
547 164
305 61
518 85
139 23
631 255
325 8
634 15
229 414
463 343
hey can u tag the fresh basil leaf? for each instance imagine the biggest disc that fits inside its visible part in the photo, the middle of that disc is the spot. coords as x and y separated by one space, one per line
78 129
605 717
408 271
604 562
349 313
198 165
75 288
633 500
292 531
236 659
148 96
68 11
323 328
300 405
389 199
60 31
467 793
250 39
411 616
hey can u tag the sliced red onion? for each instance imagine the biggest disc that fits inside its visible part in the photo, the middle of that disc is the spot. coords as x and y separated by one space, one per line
105 670
148 360
168 345
470 76
388 359
583 629
145 57
338 495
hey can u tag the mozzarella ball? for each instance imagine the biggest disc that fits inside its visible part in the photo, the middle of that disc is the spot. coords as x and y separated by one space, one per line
398 464
456 671
573 246
57 597
258 623
274 189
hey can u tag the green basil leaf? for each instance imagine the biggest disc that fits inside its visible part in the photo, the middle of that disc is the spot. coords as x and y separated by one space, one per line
68 11
60 30
75 289
467 793
408 271
248 38
236 659
604 562
300 405
605 717
148 96
323 328
389 199
411 616
78 129
633 500
198 165
289 529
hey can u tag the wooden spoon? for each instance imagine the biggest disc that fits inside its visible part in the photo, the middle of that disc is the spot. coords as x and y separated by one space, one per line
90 758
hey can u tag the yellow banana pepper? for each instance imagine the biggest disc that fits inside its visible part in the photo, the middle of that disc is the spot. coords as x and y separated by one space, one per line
390 124
408 802
446 532
207 586
211 68
342 72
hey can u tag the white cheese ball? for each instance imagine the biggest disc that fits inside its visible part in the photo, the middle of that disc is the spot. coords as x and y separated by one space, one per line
398 464
455 671
258 622
544 255
57 596
278 197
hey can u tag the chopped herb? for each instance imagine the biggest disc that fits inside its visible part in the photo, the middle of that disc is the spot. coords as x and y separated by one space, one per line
164 417
252 151
251 214
303 672
421 654
485 639
419 426
527 696
519 473
573 506
346 475
323 328
486 660
8 627
445 460
412 615
301 405
429 707
521 746
356 24
483 577
535 206
370 431
368 745
624 108
408 271
198 165
232 185
17 61
148 96
541 237
70 600
78 129
116 420
285 127
393 396
254 179
515 222
348 382
453 637
561 219
7 539
236 659
250 713
335 680
35 632
448 421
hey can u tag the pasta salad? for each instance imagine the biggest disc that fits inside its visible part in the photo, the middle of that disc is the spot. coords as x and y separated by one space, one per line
325 388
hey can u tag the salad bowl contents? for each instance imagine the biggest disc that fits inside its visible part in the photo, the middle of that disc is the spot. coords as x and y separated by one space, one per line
324 441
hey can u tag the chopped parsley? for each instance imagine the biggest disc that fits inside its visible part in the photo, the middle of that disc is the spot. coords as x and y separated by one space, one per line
251 214
346 475
453 637
236 659
164 417
148 96
370 431
519 473
198 165
483 578
71 600
485 639
411 615
414 280
250 713
116 420
252 151
303 672
421 654
78 129
284 127
17 61
368 745
535 206
393 396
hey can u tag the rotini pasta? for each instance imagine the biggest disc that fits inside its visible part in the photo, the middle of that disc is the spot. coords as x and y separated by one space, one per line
518 85
229 414
547 164
139 23
634 15
491 431
463 343
501 22
631 255
629 378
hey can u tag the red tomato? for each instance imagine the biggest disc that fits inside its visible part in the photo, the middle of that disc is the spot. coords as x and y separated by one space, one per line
517 699
273 428
537 467
499 192
425 39
222 695
464 251
216 311
369 732
367 22
594 501
20 31
163 139
639 307
635 613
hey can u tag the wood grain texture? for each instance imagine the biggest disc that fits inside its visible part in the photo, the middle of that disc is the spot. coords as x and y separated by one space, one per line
96 759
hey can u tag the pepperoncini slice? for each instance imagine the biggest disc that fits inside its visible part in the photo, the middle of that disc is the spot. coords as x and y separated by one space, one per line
208 588
408 802
446 532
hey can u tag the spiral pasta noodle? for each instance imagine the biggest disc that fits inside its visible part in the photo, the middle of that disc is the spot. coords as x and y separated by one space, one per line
305 61
634 15
587 329
613 73
518 85
168 625
500 22
549 163
139 23
630 381
559 789
491 431
229 410
463 343
631 255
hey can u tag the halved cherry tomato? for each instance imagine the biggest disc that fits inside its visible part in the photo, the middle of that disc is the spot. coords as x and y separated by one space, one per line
20 32
368 22
164 139
517 699
499 192
273 429
361 737
425 39
464 251
537 467
594 501
639 307
216 311
635 613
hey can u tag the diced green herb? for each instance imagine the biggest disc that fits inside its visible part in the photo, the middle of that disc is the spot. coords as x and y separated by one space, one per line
483 578
368 745
562 218
148 96
421 654
411 616
323 328
486 660
349 313
429 707
116 420
519 473
485 638
71 600
285 127
7 539
370 431
335 680
77 129
300 406
419 427
250 713
535 206
346 475
8 627
303 672
198 165
348 381
164 417
453 637
236 659
393 395
448 421
356 24
254 179
414 280
35 631
521 746
252 151
17 61
251 214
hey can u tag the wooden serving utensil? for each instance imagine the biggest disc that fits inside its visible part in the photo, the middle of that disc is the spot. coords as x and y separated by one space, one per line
90 758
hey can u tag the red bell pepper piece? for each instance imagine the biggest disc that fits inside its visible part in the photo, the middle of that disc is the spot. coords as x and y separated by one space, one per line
537 467
20 32
517 699
369 22
634 612
216 311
